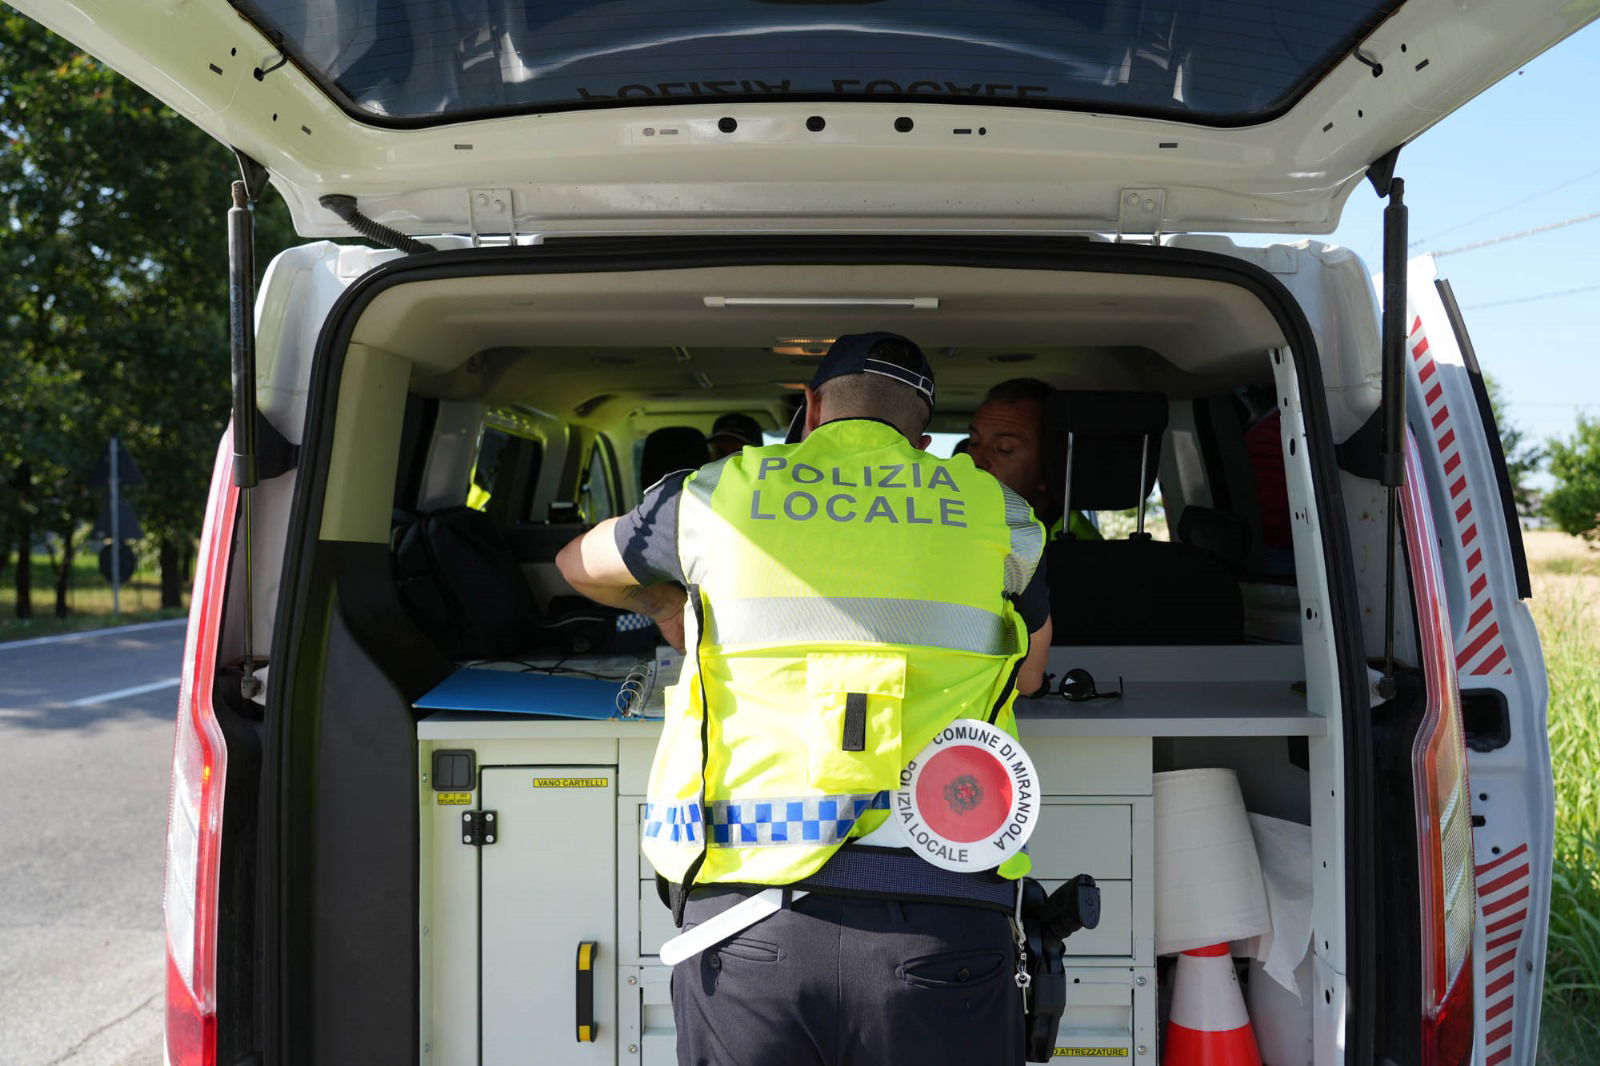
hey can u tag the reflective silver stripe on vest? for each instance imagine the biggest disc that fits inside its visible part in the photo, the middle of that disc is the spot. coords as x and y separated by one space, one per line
825 620
704 481
1027 542
694 541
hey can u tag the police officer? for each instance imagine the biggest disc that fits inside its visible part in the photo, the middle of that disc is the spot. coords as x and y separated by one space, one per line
841 599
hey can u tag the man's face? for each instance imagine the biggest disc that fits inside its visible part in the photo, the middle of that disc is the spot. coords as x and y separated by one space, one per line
1005 442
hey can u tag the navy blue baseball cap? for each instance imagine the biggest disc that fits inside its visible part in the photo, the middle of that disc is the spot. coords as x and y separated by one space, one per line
868 353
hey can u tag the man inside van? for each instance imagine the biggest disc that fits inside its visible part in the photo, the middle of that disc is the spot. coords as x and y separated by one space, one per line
731 432
849 597
1006 438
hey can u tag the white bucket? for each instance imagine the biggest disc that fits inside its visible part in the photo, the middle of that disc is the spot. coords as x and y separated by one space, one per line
1207 876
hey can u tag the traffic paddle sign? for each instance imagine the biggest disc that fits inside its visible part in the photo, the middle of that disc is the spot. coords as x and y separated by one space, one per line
969 800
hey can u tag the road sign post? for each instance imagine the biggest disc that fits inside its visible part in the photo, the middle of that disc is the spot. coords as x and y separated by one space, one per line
116 530
117 471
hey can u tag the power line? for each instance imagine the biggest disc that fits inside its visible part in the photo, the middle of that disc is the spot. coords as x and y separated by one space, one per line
1501 210
1538 296
1518 235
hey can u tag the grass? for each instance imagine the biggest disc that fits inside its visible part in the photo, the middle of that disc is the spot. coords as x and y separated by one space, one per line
1566 606
88 599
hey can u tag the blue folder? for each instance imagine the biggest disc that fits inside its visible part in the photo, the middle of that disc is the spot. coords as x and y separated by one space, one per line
515 692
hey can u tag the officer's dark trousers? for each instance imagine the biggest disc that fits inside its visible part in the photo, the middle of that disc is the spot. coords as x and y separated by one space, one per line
851 982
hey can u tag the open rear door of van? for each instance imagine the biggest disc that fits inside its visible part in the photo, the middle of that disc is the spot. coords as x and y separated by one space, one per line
1504 691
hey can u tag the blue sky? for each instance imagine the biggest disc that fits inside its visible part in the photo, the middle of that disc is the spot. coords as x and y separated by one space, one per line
1537 129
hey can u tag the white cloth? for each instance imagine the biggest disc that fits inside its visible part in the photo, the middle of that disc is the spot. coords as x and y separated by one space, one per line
1284 849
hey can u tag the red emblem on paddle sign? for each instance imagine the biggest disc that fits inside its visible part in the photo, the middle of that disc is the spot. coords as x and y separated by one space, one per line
969 800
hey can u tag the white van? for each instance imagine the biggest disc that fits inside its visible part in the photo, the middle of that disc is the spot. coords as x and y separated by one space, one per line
593 221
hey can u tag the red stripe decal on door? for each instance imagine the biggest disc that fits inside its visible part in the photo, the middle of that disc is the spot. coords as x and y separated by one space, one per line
1501 904
1476 646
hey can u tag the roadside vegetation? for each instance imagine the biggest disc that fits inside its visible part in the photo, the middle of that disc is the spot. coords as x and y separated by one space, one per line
113 310
1566 606
88 599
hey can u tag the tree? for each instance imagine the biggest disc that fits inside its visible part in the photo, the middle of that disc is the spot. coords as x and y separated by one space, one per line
1523 458
1574 504
113 289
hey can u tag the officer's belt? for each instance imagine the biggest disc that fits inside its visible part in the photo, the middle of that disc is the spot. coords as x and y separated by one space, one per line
854 870
896 873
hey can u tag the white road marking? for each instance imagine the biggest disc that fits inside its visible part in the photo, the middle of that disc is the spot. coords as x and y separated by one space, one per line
85 634
136 690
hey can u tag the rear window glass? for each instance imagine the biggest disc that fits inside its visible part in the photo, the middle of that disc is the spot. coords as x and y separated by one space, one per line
413 62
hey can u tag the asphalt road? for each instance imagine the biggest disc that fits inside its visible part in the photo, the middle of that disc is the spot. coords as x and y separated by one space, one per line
85 752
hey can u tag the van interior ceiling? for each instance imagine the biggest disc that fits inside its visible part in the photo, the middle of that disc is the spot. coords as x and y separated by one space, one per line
532 398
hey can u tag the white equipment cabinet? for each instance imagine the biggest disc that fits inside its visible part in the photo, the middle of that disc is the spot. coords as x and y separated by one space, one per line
502 922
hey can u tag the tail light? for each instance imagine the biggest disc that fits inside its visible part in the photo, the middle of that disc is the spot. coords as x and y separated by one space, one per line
194 810
1443 798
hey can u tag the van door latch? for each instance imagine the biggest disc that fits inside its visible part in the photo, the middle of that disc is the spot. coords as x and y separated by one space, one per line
1139 214
479 828
493 220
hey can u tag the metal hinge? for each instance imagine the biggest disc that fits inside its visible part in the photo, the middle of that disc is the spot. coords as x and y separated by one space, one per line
1139 214
493 220
479 828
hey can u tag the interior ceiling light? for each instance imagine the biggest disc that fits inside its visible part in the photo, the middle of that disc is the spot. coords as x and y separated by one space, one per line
808 346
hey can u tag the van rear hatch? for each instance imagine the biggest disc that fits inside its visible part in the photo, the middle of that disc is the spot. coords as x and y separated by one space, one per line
1104 115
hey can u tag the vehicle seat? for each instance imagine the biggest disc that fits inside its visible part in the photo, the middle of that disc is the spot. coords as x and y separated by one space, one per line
1222 533
1138 590
671 448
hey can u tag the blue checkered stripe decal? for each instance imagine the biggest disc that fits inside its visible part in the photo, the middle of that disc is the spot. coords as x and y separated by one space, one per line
755 823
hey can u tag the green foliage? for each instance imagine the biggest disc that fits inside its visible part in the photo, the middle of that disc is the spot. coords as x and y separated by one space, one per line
1574 504
113 291
1523 457
1572 657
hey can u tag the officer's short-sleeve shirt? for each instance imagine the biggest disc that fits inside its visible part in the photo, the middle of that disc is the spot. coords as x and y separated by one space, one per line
647 537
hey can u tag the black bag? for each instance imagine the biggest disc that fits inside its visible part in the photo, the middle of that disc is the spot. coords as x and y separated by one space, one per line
459 580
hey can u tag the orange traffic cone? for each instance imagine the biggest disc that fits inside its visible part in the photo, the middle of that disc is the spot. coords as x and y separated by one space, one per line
1208 1025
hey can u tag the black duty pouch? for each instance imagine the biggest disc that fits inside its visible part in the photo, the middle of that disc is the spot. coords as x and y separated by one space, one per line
1046 922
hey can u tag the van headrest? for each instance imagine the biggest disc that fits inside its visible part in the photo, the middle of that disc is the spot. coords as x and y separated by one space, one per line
1108 431
671 448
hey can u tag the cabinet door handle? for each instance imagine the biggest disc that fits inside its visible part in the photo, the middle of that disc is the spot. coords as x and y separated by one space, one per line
587 950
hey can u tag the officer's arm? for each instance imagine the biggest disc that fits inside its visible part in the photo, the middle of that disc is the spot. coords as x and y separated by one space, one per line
593 566
1031 675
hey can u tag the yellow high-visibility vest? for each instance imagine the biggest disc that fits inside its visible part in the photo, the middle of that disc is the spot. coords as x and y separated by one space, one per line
846 603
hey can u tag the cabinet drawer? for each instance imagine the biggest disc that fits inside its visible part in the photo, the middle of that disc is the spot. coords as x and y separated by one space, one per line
1083 838
1113 937
1109 1014
1090 766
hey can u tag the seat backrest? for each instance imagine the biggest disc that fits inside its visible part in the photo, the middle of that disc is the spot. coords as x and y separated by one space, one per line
1108 431
671 448
1222 533
1140 590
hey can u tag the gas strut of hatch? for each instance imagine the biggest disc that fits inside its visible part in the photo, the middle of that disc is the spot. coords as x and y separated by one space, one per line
242 337
1392 474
